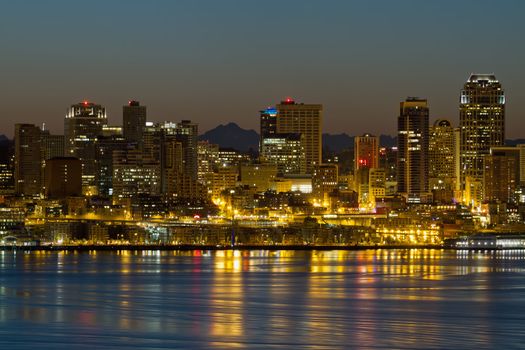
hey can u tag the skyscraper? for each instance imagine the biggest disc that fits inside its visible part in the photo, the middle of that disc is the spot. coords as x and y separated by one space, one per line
134 122
83 123
366 157
268 121
412 142
305 119
286 151
366 152
28 158
443 155
482 123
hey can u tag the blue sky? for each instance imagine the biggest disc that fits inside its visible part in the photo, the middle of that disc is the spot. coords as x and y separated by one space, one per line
220 61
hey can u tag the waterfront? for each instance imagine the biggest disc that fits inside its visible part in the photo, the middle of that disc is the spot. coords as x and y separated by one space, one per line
405 298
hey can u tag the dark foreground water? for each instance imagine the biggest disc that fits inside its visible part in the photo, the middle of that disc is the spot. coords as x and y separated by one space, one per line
261 299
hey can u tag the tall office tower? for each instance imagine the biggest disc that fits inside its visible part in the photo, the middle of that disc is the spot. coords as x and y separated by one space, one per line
268 121
133 175
152 142
366 152
522 164
366 157
179 160
443 155
412 145
305 119
106 145
7 178
83 124
207 158
28 156
63 177
376 184
499 178
285 151
187 134
51 146
501 175
388 161
134 122
481 121
324 180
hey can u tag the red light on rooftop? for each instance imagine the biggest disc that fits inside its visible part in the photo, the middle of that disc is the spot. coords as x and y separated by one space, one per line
289 100
85 103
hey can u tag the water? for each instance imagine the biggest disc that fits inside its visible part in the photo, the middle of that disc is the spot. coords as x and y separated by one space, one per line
383 299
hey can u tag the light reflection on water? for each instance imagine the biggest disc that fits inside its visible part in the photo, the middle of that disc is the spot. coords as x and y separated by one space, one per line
261 299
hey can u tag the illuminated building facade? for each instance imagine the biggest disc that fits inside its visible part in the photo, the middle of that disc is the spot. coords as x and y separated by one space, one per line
412 164
207 158
444 168
482 122
28 156
324 181
286 151
305 119
366 152
220 180
259 176
501 175
366 157
133 122
7 178
63 177
268 121
133 175
83 124
106 145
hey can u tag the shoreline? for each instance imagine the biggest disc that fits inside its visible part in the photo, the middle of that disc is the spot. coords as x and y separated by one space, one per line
190 247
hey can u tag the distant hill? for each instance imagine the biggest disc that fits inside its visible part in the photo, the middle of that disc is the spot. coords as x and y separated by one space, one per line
337 143
233 136
3 138
514 142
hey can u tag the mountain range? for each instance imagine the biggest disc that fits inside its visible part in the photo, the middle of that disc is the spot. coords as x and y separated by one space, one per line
232 135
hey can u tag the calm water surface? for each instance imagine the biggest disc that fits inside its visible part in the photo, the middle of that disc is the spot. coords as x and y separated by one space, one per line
388 299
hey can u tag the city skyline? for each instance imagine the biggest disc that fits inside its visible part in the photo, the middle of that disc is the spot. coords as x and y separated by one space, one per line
183 54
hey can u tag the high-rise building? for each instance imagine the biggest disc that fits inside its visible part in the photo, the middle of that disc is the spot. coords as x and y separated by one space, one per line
522 164
305 119
482 123
83 124
134 121
286 151
501 175
133 175
178 159
207 158
268 121
443 155
499 180
324 180
63 177
412 144
7 178
106 145
366 157
28 157
366 152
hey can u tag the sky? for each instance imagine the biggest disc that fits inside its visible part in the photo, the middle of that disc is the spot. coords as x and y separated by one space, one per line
219 61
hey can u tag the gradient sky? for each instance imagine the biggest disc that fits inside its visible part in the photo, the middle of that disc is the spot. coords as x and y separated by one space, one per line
219 61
